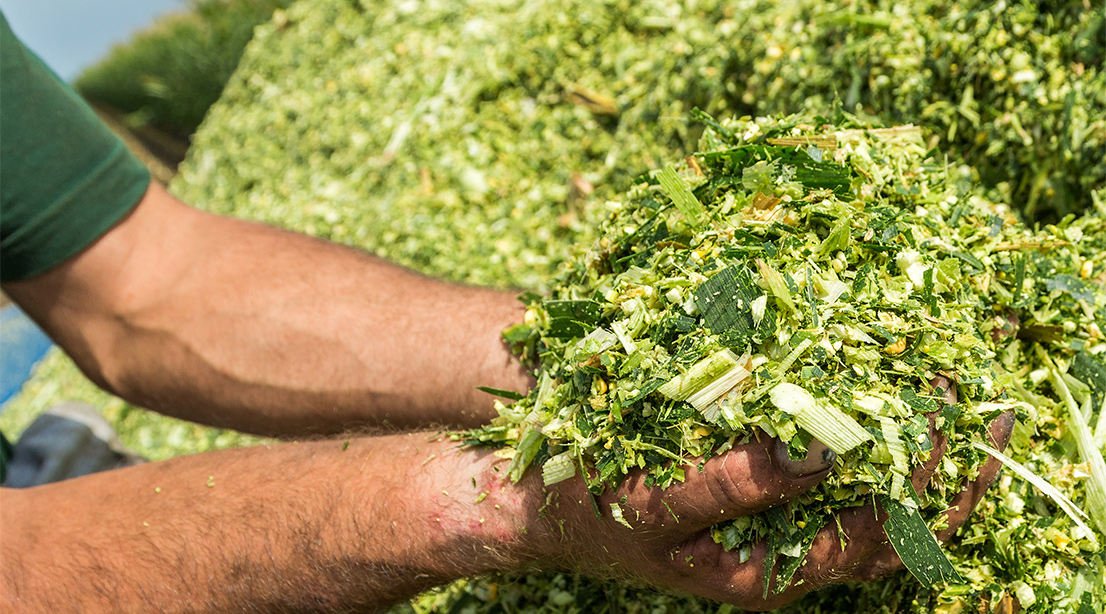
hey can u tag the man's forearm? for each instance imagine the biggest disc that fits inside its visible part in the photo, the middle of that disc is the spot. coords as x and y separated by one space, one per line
321 526
245 326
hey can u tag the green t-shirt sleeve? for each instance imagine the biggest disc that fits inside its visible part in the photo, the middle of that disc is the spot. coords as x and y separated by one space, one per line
65 179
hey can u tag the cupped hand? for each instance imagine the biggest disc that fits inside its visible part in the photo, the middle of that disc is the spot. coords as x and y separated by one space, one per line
668 541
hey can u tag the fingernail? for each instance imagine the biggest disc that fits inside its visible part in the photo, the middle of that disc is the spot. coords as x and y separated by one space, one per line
1001 428
945 387
818 459
1007 324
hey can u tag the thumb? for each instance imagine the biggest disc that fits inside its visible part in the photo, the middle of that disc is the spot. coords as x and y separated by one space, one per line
744 480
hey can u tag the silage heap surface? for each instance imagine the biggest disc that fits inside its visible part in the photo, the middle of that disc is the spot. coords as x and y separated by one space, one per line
479 142
465 138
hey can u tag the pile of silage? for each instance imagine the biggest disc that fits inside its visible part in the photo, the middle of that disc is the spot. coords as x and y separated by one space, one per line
802 280
465 138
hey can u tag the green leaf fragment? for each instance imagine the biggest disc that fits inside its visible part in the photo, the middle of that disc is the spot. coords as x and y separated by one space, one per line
570 318
805 539
727 302
1071 285
558 469
506 394
916 545
776 284
838 238
680 194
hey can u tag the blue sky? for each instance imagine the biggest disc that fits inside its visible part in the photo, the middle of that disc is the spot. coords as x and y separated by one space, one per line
72 34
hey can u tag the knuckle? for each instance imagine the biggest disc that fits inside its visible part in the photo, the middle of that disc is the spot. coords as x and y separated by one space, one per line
726 488
820 576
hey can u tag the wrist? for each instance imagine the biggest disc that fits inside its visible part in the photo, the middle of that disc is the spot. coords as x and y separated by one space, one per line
454 511
497 365
487 513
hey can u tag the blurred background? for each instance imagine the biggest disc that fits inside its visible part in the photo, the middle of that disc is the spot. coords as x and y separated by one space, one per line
71 35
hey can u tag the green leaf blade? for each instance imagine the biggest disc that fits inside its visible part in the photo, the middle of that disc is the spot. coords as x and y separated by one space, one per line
917 546
681 196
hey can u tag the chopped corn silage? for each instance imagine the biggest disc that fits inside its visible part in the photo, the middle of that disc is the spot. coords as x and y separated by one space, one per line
830 273
467 139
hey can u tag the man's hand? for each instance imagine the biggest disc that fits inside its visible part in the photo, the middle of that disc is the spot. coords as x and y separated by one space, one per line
668 540
337 525
670 546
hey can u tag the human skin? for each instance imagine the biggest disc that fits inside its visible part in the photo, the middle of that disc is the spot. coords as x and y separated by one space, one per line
236 324
240 325
359 524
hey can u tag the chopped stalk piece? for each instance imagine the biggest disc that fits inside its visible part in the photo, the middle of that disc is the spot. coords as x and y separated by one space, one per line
558 469
795 354
627 343
899 460
527 450
702 373
719 387
828 424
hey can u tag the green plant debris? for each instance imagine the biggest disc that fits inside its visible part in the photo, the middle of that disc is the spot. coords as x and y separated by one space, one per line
506 394
473 141
833 427
1063 502
916 545
857 335
681 196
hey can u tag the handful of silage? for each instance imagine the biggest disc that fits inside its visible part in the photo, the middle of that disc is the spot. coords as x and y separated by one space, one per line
804 280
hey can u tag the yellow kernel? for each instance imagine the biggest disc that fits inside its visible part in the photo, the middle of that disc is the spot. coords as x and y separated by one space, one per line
897 347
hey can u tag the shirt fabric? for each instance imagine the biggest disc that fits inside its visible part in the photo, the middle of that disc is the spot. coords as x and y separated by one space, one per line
65 179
